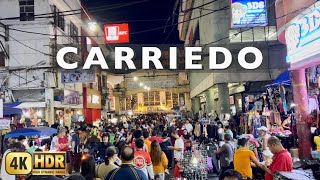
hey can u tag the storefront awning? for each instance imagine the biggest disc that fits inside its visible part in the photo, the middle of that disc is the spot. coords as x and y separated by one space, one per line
283 78
11 111
24 105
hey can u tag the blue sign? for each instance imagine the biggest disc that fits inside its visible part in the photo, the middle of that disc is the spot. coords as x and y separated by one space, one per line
303 35
248 13
77 76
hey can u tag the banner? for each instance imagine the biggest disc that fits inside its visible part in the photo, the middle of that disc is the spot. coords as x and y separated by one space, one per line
248 13
75 76
5 123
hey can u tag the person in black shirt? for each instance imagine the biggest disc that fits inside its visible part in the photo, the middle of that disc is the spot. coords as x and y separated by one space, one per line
75 149
187 140
103 146
127 170
164 147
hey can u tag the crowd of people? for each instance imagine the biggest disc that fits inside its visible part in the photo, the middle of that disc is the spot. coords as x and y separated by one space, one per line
149 147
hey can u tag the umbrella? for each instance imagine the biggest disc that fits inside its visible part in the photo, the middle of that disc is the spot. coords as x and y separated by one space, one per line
10 111
33 131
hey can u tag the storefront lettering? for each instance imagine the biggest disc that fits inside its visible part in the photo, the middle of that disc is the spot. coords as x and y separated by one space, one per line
302 29
303 35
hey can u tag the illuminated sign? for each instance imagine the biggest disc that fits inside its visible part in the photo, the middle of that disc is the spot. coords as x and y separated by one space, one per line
248 13
303 35
40 163
116 33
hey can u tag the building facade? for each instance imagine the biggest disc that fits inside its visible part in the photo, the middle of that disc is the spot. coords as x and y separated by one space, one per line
299 30
152 91
207 24
32 77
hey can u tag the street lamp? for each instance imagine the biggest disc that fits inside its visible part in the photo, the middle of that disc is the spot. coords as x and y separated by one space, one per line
141 84
93 26
135 78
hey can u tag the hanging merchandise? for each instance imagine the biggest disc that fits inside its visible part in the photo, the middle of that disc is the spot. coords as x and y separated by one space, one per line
277 119
282 91
255 124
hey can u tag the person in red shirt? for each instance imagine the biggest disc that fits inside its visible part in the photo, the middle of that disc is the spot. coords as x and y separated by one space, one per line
281 161
155 138
142 159
63 146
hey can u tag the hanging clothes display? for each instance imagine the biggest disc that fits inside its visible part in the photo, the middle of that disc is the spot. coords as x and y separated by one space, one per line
282 91
255 124
197 130
243 124
212 131
277 119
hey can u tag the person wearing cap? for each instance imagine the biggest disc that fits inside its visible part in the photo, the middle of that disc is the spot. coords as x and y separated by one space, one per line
264 136
103 169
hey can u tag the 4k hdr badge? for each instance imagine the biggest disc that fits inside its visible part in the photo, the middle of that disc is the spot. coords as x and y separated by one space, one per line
116 33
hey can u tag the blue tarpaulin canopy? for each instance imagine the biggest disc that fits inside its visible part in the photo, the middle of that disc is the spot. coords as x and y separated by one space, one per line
10 111
33 131
283 78
14 104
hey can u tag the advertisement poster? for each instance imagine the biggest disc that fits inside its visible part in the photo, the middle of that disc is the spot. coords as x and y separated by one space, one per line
248 13
71 97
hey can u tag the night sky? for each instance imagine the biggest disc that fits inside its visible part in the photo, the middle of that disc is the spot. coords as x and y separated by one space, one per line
142 16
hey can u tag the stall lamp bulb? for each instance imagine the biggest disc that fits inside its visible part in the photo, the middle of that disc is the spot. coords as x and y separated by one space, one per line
26 114
39 113
194 161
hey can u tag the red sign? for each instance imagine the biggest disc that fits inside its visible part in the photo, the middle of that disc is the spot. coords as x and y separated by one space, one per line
139 161
116 33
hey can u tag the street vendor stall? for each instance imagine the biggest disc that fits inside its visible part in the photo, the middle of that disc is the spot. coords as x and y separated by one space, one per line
33 131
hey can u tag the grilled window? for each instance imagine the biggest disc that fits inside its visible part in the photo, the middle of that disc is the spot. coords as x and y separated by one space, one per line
26 10
74 33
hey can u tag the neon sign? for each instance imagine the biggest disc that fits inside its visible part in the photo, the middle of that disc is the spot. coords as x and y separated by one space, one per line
248 13
303 35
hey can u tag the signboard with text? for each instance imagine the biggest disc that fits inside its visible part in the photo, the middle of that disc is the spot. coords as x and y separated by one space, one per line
116 33
303 35
247 13
77 76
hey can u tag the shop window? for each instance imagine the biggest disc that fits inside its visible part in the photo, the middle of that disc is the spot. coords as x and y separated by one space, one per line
74 33
26 10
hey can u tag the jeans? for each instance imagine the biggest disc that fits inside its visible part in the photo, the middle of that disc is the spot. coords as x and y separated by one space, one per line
159 176
315 154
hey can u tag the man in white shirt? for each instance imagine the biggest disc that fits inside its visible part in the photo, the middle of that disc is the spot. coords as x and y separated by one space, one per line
54 141
15 147
178 146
